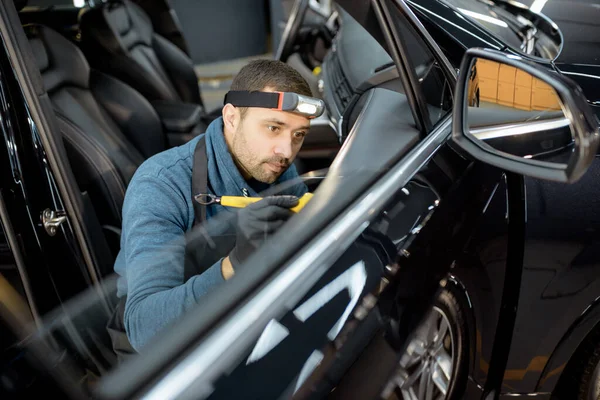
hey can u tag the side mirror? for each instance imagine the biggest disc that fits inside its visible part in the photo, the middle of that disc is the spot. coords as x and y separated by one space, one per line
520 117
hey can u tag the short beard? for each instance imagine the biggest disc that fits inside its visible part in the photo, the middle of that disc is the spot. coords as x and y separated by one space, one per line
251 164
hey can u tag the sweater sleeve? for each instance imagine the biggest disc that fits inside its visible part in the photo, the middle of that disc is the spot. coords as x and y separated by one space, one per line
153 242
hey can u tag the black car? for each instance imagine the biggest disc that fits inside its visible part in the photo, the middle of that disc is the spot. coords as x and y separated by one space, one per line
449 250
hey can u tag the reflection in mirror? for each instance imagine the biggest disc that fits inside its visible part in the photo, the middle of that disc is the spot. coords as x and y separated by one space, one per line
516 113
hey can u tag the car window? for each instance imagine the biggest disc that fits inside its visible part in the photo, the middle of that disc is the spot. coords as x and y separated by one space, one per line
435 87
488 15
312 336
311 324
520 30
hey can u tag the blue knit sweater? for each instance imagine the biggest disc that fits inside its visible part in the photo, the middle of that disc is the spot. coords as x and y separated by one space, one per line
157 212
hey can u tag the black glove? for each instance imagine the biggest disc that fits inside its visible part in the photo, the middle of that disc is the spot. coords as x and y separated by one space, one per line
257 222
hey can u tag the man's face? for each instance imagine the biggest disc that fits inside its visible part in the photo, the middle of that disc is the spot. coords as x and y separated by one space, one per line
266 142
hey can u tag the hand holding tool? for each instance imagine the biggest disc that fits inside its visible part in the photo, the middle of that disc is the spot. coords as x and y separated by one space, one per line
241 201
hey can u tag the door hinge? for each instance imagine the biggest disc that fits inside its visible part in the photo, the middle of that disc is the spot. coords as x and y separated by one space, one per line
52 220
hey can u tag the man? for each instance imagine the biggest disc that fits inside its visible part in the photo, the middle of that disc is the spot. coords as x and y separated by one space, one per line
242 153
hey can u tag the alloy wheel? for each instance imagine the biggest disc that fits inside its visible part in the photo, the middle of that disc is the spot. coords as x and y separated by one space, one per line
425 369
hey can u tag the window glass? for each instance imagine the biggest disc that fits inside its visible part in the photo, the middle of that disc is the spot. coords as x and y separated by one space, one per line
487 15
434 85
287 352
288 348
310 337
519 30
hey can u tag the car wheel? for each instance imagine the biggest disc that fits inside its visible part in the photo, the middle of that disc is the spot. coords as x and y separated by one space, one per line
589 386
433 366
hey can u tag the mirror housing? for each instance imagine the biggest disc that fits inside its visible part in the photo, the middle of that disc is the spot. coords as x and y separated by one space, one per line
577 118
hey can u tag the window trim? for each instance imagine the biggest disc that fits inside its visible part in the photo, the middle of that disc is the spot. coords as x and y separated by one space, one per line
415 95
396 45
451 73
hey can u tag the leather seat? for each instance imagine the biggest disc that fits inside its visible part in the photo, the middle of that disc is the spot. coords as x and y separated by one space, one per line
118 38
108 128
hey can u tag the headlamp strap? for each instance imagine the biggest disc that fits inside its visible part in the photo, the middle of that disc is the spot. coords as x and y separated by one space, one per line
243 98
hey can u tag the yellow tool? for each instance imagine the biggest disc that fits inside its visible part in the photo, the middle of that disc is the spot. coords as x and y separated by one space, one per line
241 202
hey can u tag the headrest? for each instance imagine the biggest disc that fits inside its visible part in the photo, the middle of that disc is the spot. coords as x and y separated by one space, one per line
20 4
60 61
117 26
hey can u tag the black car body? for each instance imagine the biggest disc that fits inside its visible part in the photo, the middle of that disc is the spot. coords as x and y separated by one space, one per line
541 344
517 253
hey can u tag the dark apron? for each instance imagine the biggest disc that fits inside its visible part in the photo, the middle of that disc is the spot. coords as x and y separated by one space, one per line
203 249
207 244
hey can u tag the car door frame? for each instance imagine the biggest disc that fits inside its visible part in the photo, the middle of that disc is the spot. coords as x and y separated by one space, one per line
516 205
41 179
346 225
207 345
79 259
515 199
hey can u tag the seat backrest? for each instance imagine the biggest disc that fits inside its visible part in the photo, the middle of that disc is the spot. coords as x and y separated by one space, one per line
108 128
118 38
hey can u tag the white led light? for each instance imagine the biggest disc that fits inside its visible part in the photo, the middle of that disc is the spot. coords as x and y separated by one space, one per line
306 108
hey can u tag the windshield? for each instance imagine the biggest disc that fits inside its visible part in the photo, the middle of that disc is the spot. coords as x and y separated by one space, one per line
519 29
491 17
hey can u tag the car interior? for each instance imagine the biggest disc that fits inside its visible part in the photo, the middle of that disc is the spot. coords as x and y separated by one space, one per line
122 92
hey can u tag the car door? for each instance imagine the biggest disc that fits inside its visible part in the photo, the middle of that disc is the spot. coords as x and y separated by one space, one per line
329 305
351 283
49 228
51 267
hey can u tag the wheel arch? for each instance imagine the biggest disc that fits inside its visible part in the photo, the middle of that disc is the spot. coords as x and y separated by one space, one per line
585 326
456 286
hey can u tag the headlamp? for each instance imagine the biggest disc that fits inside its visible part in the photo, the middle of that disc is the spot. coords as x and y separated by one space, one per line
310 107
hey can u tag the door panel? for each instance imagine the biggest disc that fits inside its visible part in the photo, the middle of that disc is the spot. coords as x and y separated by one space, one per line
53 264
383 283
481 272
561 273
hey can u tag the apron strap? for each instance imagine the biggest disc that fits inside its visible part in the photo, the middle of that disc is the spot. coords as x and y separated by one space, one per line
200 179
203 249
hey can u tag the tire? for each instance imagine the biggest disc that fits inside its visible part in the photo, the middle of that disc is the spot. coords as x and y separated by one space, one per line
581 377
422 351
589 383
448 301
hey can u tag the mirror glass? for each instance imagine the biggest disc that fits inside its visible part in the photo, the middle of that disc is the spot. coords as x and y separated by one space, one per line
516 113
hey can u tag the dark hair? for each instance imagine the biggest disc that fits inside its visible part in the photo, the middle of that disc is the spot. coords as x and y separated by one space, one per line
259 74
